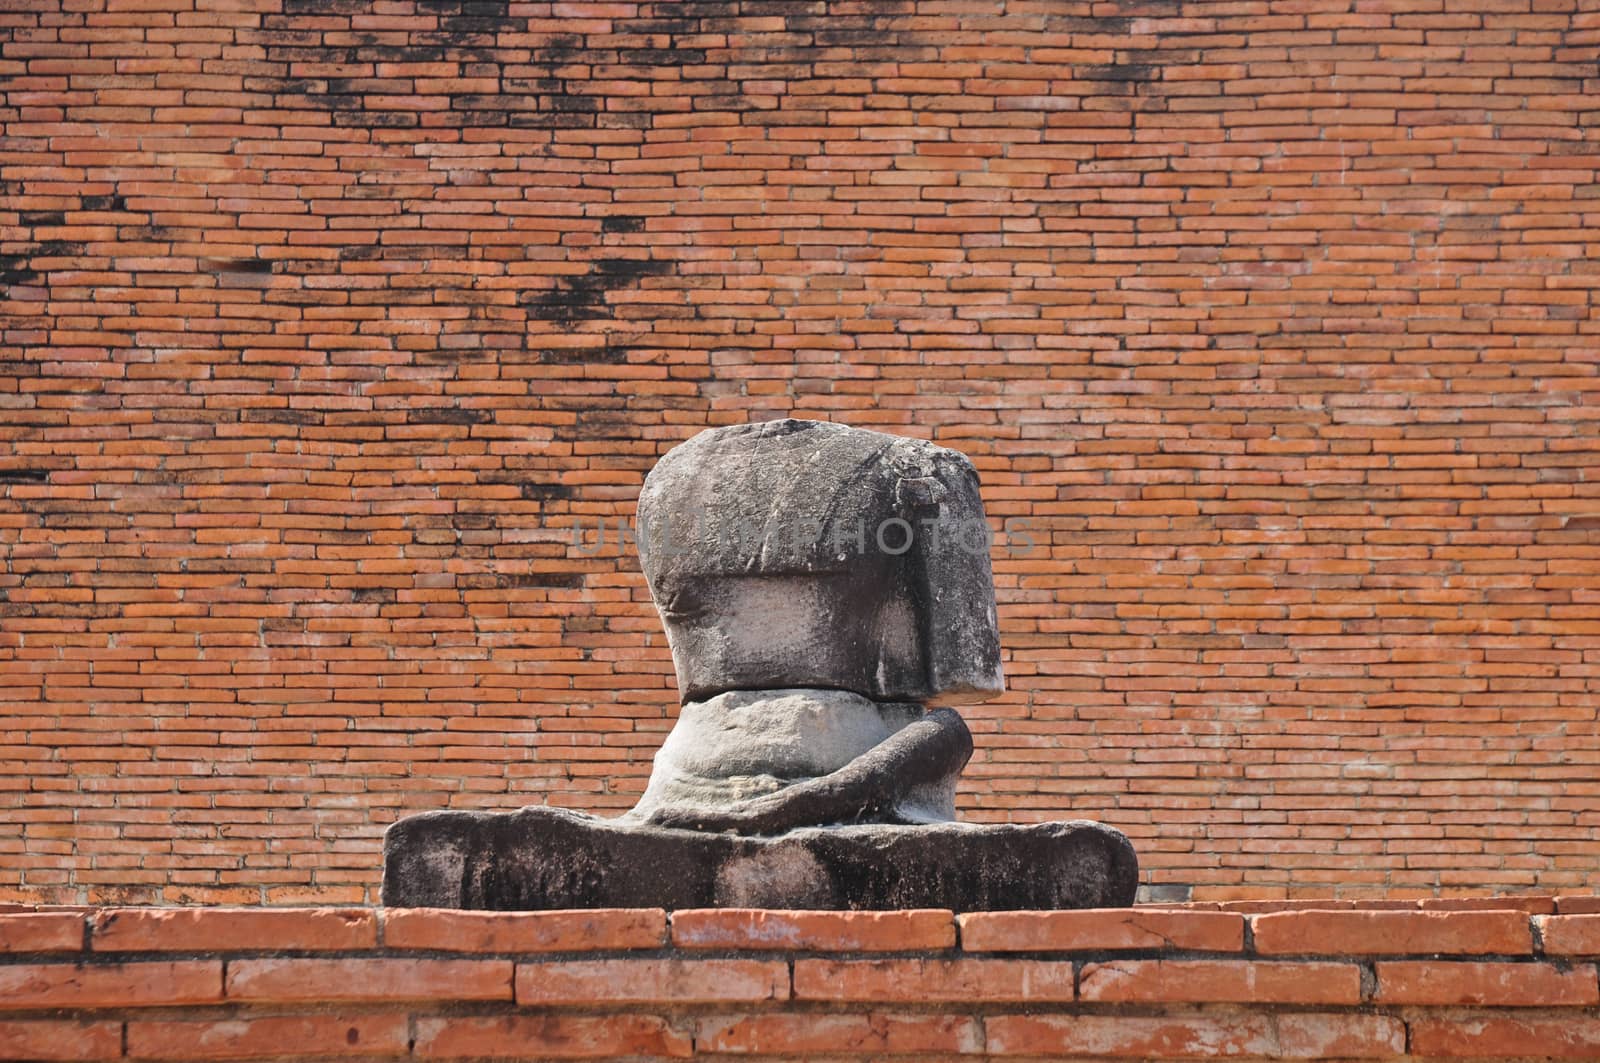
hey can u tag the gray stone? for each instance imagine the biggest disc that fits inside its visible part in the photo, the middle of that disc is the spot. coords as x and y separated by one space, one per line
541 858
804 554
731 750
819 586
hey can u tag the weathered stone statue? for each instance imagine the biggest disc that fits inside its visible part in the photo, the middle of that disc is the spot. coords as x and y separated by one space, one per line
820 586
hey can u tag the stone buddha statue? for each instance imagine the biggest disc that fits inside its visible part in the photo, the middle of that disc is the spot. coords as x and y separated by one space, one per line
827 595
819 586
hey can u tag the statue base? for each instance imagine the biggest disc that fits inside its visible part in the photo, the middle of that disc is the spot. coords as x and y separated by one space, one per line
543 858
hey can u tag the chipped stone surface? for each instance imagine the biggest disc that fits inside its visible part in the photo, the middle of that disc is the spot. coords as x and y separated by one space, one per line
542 858
805 554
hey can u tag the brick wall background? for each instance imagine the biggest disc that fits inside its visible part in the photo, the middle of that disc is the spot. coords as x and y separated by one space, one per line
324 323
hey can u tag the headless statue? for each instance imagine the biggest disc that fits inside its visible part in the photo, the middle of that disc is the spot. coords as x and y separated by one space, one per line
819 585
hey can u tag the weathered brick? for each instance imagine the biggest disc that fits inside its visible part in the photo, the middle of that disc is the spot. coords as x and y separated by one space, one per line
1392 933
225 929
550 1036
109 985
377 980
1571 935
1518 985
451 931
1340 1035
822 1035
935 980
1092 930
60 1039
287 1035
41 931
666 981
1220 981
1130 1036
1487 1035
828 931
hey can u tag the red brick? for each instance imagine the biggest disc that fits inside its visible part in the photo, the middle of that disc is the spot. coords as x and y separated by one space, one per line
41 932
830 1035
60 1039
1340 1035
223 929
376 980
550 1037
1221 982
669 981
289 1035
745 928
920 979
1571 935
1531 905
109 985
1578 905
1130 1036
1091 930
1517 985
1392 933
1486 1035
452 931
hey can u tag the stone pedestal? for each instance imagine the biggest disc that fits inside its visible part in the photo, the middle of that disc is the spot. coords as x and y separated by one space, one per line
542 858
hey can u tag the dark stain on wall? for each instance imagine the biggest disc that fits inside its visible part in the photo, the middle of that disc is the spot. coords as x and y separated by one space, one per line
577 299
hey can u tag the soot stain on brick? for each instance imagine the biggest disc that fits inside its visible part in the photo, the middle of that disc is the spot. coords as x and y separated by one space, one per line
595 424
448 415
611 354
577 299
17 269
532 490
1118 72
555 580
292 417
239 270
24 476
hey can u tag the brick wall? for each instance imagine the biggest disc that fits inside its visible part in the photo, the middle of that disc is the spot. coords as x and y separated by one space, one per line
1153 984
324 321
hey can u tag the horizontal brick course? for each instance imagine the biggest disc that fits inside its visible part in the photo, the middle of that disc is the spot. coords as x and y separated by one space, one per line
837 985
